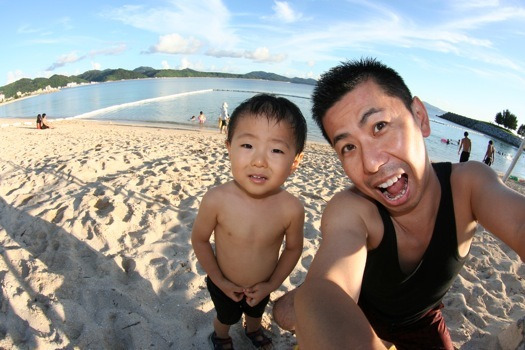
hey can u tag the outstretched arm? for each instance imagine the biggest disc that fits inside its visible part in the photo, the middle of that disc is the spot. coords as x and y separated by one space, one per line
326 310
498 208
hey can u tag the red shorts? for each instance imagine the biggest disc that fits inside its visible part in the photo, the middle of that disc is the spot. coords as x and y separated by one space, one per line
429 332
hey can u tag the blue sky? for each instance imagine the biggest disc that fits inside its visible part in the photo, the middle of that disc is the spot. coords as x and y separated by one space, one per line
467 57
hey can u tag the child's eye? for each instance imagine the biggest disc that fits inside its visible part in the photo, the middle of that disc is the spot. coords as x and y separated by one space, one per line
246 145
276 150
379 126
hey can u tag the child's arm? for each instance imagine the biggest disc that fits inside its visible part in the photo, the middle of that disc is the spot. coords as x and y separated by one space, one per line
200 239
287 261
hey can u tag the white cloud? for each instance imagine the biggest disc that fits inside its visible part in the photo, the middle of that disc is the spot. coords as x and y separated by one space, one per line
262 54
14 76
224 53
284 12
176 44
165 64
96 66
65 59
186 63
470 4
115 50
207 20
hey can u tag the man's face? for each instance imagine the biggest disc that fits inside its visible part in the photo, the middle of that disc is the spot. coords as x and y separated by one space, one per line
380 144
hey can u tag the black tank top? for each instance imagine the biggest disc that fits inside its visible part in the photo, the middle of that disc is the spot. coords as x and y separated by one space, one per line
399 299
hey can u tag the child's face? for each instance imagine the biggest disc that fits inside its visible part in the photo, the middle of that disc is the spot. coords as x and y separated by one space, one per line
262 155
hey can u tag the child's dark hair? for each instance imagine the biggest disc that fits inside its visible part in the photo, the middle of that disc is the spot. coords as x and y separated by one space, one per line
277 109
342 79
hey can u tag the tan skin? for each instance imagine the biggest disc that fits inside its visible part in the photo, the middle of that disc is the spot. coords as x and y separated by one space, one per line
465 144
377 138
250 216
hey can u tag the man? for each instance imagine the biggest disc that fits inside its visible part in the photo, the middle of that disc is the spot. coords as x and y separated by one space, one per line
393 243
465 144
489 154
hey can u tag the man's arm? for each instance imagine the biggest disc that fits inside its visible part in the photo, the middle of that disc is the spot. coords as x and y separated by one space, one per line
288 259
498 208
326 309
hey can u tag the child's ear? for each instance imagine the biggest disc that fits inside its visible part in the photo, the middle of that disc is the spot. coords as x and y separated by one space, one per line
296 162
228 146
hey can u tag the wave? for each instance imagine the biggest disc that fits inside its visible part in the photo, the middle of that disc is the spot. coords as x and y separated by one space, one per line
136 103
263 92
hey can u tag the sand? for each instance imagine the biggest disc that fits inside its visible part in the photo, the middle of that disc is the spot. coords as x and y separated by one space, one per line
95 224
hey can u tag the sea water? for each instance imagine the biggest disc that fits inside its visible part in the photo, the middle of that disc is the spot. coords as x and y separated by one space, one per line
172 102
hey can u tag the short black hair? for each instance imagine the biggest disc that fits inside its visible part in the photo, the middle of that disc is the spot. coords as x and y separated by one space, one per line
278 109
342 79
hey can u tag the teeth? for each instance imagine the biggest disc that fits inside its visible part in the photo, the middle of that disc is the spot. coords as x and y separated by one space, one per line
390 181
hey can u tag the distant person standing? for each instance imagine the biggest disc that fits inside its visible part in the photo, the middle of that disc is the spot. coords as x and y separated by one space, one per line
223 118
39 121
465 144
489 155
202 118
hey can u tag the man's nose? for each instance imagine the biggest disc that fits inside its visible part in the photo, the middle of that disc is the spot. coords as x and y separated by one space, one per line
372 157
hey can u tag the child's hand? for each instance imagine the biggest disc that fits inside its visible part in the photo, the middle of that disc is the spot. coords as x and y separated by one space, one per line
232 290
256 293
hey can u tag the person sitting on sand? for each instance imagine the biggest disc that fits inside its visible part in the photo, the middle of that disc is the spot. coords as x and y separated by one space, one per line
45 124
265 141
39 121
394 242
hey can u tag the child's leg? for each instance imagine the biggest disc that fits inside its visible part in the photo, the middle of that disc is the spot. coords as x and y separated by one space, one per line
252 323
221 330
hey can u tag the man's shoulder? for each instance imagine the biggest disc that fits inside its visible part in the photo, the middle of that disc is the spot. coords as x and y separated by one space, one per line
352 202
470 174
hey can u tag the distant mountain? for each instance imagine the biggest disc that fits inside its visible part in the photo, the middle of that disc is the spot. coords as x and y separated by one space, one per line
28 86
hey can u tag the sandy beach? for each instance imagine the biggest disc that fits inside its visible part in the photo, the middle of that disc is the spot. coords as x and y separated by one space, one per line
95 224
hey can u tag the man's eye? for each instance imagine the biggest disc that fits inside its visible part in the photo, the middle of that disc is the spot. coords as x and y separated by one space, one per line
379 126
246 145
276 150
347 148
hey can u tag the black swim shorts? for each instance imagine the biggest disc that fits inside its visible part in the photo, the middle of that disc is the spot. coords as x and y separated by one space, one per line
229 311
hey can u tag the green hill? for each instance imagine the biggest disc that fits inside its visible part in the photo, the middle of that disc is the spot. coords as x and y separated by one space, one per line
28 86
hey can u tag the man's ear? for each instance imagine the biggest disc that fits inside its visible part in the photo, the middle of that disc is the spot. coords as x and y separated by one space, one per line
420 114
296 162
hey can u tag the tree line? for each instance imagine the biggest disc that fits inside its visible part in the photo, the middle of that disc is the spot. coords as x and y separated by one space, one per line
509 121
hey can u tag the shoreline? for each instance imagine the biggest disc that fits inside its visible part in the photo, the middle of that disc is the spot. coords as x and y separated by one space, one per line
95 224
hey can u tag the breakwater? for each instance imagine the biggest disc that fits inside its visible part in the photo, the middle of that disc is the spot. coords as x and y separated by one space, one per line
484 128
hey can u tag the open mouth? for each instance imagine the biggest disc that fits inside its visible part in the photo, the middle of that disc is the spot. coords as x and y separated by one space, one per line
258 178
394 188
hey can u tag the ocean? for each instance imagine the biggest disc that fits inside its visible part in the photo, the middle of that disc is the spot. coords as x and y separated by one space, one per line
170 102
